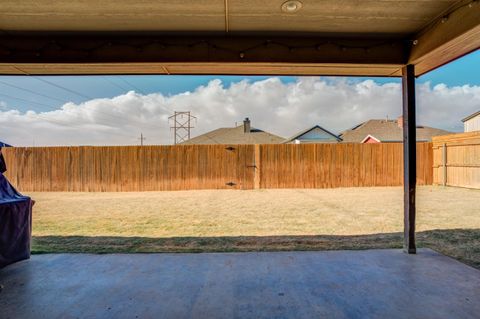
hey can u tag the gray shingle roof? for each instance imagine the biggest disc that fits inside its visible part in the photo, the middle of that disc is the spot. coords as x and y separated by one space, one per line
235 135
387 131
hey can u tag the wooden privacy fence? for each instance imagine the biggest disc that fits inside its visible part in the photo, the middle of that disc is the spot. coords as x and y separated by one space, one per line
129 168
456 160
339 165
156 168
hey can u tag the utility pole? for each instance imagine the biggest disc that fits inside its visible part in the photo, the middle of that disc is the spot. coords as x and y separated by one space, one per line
181 125
142 139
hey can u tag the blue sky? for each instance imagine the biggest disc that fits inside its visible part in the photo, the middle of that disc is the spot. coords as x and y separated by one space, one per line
104 110
464 71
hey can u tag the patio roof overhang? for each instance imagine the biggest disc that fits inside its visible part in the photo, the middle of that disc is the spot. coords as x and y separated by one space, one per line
374 38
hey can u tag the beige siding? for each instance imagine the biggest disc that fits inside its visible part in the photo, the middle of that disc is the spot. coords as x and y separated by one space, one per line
472 124
456 160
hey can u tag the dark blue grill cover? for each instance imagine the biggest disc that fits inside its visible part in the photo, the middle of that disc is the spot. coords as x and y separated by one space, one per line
15 222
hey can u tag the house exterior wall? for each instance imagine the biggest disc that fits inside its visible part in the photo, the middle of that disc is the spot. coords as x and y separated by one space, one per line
472 124
370 141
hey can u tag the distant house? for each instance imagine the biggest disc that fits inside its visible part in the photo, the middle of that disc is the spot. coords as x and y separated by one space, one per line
386 131
2 144
472 122
243 134
315 134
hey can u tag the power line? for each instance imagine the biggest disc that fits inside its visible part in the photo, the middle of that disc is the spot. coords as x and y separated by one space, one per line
23 100
42 104
38 115
208 136
49 107
30 91
133 86
114 84
54 84
91 98
70 125
111 116
62 87
85 96
33 92
44 118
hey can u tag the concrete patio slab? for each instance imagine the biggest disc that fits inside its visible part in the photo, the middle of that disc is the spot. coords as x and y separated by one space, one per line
332 284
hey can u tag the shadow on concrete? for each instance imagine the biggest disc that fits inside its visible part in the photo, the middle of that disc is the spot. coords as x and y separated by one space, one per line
462 244
376 283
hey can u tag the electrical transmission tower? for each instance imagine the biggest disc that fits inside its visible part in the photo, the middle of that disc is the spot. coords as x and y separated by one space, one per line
181 125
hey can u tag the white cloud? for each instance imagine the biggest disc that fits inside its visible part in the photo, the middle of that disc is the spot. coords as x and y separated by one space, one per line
274 106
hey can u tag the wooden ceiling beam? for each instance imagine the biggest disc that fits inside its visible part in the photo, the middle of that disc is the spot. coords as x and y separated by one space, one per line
446 39
78 50
199 69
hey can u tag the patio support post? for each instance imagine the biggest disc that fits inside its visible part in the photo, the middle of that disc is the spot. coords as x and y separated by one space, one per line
409 157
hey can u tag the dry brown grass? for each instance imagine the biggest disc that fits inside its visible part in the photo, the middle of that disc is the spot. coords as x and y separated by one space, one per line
222 220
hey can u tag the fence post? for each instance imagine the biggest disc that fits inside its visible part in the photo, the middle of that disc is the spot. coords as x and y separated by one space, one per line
257 166
444 163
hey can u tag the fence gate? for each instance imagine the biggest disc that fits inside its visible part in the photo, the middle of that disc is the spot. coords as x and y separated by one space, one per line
218 166
456 160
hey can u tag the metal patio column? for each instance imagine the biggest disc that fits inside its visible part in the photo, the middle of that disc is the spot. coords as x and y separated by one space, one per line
409 157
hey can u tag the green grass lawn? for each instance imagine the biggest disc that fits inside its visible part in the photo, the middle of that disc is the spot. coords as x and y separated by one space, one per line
257 220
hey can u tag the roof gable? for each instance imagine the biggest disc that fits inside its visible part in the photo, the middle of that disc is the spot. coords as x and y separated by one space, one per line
471 116
370 139
315 133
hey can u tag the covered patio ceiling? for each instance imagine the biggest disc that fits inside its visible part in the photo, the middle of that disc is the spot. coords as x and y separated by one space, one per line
273 37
